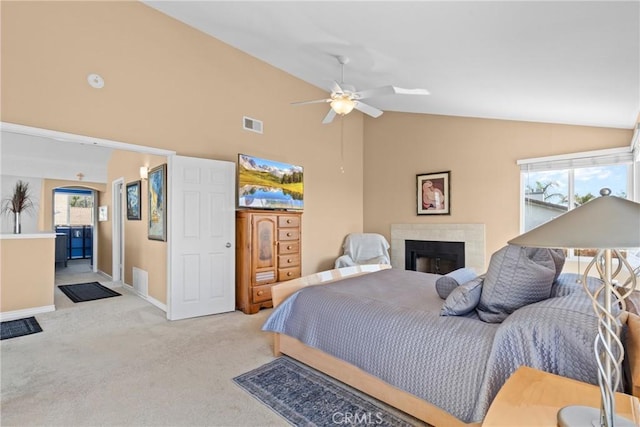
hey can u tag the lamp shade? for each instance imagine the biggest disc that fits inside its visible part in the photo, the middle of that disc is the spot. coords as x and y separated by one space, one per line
342 104
603 223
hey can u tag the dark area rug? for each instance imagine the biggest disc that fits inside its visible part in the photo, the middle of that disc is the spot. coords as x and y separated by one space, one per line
19 328
306 397
87 291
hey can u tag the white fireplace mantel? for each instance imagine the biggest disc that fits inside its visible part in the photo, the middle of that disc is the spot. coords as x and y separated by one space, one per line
473 236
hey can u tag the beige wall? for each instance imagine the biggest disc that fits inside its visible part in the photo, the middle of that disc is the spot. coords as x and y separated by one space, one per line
27 273
170 86
104 232
481 155
173 87
139 251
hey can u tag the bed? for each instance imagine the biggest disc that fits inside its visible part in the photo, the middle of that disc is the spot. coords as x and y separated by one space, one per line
359 328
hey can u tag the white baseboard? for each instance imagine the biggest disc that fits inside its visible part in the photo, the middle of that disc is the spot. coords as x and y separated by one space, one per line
27 312
157 303
102 273
147 298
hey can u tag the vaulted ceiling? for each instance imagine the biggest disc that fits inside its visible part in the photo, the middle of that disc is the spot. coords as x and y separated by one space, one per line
573 62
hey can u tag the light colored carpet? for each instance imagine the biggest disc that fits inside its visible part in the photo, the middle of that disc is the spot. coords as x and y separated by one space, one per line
119 362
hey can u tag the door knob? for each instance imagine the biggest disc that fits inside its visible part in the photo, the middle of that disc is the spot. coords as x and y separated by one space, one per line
228 245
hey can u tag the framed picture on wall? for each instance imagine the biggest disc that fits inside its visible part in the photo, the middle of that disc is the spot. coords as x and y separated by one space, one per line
103 213
133 200
434 193
158 203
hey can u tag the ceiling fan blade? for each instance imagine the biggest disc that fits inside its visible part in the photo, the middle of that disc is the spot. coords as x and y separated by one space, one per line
315 101
401 91
389 90
329 117
368 109
335 87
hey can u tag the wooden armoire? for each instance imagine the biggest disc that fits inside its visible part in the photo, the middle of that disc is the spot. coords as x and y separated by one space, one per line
268 251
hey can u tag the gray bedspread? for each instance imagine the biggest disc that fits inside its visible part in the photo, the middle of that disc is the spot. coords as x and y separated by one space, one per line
388 324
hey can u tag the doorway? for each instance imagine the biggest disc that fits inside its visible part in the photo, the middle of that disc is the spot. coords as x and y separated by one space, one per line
74 224
215 277
50 159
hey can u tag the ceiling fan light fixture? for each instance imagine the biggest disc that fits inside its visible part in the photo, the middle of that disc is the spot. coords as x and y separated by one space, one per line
342 104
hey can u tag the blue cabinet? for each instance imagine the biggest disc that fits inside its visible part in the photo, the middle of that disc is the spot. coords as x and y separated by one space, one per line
79 240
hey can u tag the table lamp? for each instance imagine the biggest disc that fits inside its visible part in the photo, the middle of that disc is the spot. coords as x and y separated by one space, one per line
607 223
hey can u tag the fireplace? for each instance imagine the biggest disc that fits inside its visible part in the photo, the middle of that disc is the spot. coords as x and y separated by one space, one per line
433 256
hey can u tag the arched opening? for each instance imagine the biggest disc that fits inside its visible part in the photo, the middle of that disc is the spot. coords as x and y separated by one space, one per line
74 217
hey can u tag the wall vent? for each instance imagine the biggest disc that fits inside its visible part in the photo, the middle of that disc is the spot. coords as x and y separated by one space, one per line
141 281
252 124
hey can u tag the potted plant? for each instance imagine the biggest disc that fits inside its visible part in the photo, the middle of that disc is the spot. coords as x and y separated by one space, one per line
19 202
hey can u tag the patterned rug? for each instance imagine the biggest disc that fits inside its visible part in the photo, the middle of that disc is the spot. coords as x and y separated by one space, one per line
19 327
306 397
87 291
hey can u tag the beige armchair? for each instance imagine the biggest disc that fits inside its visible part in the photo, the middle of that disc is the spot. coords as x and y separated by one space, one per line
364 248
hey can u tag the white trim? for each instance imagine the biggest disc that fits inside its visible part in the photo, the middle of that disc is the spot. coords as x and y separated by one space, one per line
573 156
522 202
27 312
635 143
157 303
105 275
82 139
167 309
147 298
94 231
8 236
117 230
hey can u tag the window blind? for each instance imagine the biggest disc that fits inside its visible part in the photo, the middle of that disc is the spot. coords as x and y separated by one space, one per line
611 156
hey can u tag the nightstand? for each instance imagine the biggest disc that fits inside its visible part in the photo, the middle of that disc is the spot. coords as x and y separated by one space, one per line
532 398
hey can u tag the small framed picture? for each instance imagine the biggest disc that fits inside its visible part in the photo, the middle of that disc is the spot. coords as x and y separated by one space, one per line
133 201
434 193
103 213
157 192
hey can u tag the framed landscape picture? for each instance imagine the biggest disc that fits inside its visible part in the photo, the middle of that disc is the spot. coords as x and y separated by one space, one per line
158 203
133 200
433 193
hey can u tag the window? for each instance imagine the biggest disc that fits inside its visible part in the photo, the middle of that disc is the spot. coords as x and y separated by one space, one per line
551 186
73 207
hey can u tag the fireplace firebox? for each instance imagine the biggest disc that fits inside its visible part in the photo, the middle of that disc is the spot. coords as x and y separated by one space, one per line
433 256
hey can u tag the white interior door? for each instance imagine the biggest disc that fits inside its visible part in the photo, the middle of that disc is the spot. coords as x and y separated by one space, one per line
201 208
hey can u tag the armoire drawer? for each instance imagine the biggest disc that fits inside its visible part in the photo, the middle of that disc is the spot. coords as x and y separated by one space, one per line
286 261
288 247
261 293
288 234
288 221
288 273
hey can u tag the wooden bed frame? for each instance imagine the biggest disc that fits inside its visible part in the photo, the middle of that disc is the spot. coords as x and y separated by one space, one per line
375 387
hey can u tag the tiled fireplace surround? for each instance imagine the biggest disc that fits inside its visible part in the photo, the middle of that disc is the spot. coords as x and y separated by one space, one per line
473 236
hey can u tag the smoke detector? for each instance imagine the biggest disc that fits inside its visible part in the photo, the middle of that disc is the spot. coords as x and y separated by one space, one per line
95 81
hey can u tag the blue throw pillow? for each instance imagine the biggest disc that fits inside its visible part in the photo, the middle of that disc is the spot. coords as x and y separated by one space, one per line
450 281
517 276
558 259
463 299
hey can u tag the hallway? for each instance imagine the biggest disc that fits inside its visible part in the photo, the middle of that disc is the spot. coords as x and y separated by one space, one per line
79 271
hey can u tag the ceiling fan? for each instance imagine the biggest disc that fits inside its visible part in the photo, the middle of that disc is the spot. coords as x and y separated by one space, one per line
344 98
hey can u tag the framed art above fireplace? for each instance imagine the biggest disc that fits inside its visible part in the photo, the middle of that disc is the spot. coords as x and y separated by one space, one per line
433 193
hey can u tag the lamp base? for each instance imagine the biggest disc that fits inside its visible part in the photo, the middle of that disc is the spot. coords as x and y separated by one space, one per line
581 416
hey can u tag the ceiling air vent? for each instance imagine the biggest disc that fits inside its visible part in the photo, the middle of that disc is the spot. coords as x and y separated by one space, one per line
252 124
